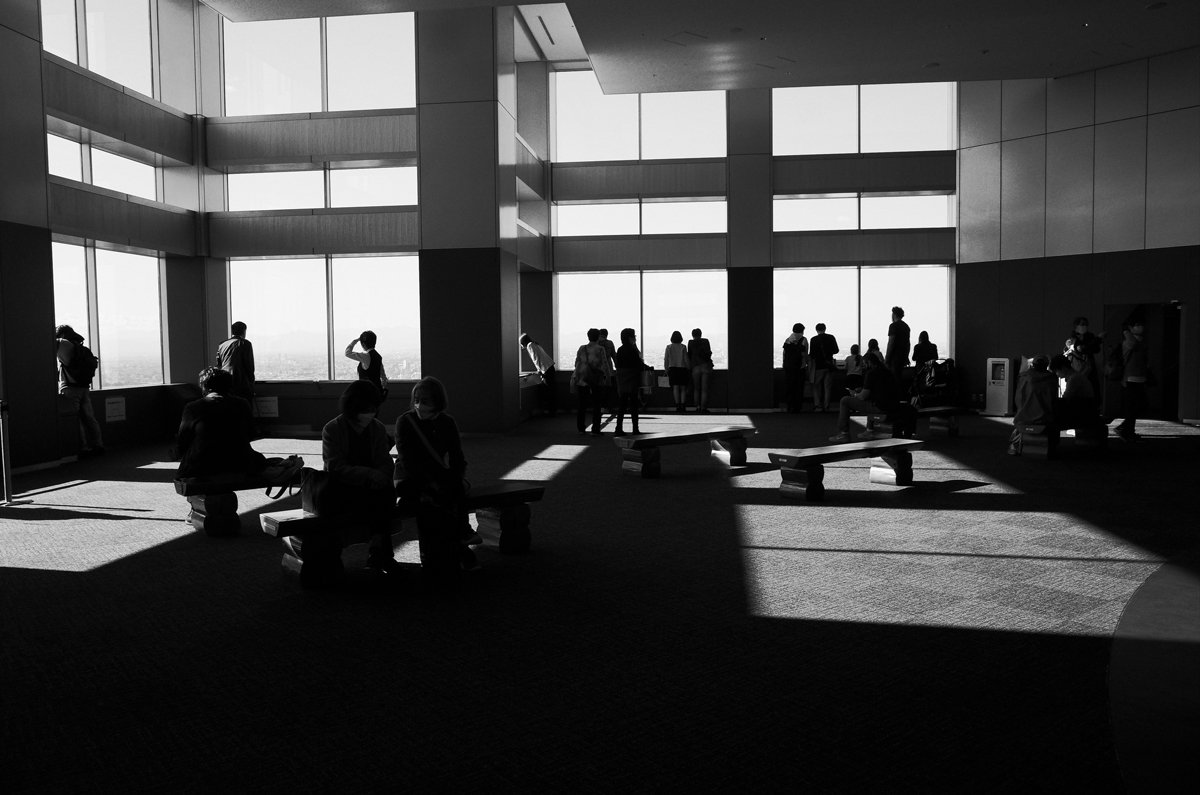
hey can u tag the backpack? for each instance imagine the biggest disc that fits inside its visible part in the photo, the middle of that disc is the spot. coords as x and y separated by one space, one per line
82 368
1114 363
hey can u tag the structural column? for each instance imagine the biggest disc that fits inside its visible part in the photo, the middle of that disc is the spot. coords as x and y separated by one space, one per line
751 347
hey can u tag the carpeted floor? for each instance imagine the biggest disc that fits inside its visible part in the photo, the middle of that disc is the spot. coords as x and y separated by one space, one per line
694 633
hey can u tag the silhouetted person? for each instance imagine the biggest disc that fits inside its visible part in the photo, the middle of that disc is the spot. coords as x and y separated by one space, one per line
76 369
236 357
370 363
854 369
611 351
899 342
795 364
675 362
590 379
880 392
1081 349
924 350
1136 355
1037 389
821 350
431 472
546 370
216 430
630 367
699 353
1077 407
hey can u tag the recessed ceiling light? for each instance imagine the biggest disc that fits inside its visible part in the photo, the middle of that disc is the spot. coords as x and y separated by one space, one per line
762 38
1085 24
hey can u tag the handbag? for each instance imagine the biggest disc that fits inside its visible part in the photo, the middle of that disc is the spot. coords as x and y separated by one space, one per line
316 491
401 474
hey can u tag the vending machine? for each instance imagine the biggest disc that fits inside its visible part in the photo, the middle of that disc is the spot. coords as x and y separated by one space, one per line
1001 387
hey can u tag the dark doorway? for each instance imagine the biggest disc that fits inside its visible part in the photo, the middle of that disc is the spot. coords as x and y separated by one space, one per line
1162 333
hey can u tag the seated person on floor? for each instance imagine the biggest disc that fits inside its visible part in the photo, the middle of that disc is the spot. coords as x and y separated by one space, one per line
880 393
430 475
216 431
1077 407
1037 390
357 455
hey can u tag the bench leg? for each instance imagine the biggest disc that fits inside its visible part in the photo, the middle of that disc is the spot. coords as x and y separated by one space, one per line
1039 445
215 514
641 462
505 529
732 452
807 484
326 568
898 471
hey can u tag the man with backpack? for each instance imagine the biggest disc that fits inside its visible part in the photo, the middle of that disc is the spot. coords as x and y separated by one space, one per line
76 369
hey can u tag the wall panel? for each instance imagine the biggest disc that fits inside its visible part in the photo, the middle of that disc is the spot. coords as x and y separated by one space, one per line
1023 198
979 204
177 54
1023 108
1071 102
978 112
625 180
750 212
748 112
899 247
1120 186
636 253
311 138
22 131
1173 179
852 173
1069 160
455 56
533 107
458 148
97 214
1174 80
306 232
1121 92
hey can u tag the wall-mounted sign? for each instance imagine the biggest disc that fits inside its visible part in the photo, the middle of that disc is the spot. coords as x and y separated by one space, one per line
114 409
266 406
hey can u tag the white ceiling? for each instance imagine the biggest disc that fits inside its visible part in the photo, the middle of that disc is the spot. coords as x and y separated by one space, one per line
688 45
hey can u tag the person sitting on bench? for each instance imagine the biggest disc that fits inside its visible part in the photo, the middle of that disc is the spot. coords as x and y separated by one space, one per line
357 455
426 436
1077 406
1037 390
216 430
880 392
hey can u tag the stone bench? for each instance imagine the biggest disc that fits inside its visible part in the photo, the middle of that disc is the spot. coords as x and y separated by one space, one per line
640 454
1041 441
943 421
502 512
214 504
803 471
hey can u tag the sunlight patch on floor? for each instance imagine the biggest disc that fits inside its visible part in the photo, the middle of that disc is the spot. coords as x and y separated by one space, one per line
547 464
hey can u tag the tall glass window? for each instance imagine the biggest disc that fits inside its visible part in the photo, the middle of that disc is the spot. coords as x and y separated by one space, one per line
812 213
282 302
129 320
70 287
907 212
815 120
684 217
277 190
272 66
64 158
118 42
590 125
923 294
380 294
58 29
681 301
123 175
684 124
372 61
816 295
908 117
577 220
594 300
372 187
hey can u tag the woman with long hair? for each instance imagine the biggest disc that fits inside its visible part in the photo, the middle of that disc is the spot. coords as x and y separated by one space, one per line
675 362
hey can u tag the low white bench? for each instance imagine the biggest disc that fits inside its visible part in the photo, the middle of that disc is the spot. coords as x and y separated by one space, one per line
802 472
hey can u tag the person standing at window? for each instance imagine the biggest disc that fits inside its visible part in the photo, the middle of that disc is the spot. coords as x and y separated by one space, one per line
590 379
898 345
545 367
611 350
699 353
370 363
822 349
76 368
854 369
1134 380
629 380
1081 349
236 357
924 350
795 364
675 362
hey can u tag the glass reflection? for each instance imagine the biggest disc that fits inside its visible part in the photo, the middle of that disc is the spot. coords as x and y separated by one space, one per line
684 217
907 212
593 300
371 61
277 190
590 125
573 220
382 294
123 175
816 295
814 120
272 66
808 215
58 29
118 42
683 124
70 287
372 187
923 293
282 303
681 301
908 117
64 158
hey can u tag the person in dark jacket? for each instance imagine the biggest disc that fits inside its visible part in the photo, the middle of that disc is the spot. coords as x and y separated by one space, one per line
795 366
629 380
357 454
821 350
1081 349
236 357
430 475
1136 355
215 433
924 350
699 353
880 392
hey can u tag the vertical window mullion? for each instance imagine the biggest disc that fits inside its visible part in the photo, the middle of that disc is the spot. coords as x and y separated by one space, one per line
164 326
81 48
331 346
155 55
93 308
324 65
